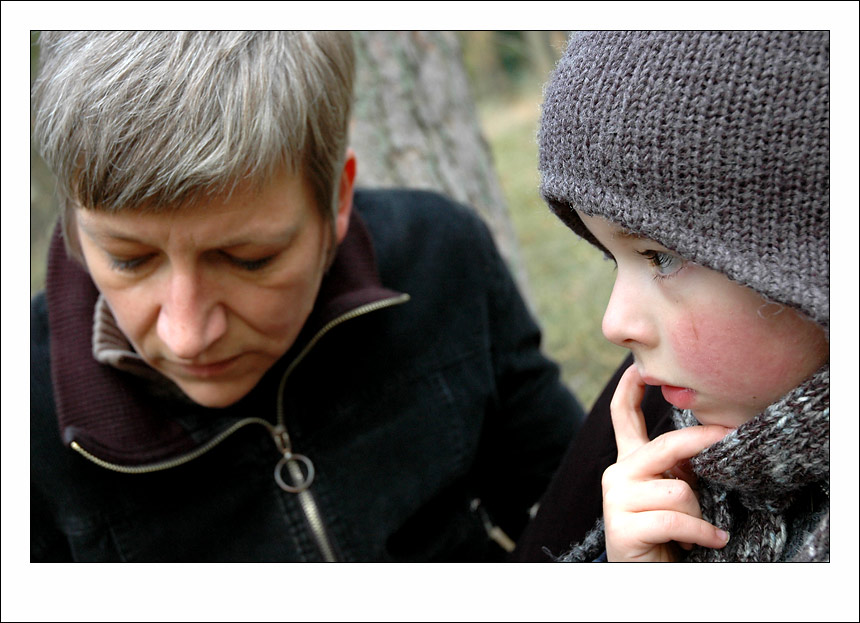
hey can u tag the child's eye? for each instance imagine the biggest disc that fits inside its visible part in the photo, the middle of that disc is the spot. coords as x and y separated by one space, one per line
665 264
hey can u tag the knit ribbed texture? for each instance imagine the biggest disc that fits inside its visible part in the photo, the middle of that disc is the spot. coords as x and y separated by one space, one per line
754 482
111 346
714 144
749 479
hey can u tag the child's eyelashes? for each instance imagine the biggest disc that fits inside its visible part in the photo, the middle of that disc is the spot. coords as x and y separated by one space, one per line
665 264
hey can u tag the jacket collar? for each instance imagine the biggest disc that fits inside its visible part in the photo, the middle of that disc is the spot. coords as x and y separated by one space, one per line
117 416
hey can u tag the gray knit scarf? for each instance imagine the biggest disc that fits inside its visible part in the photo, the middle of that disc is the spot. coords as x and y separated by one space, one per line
757 483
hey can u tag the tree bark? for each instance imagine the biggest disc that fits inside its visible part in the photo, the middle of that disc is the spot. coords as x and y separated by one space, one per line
415 125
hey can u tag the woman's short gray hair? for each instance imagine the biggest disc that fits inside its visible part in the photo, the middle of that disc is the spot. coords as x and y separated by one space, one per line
153 120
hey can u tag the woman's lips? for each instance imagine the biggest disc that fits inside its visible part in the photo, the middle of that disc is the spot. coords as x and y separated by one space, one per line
208 370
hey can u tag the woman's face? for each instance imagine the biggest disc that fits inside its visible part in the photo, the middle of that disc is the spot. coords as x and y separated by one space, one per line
714 346
213 295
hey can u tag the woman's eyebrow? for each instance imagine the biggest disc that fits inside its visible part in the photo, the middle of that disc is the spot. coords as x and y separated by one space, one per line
281 237
103 233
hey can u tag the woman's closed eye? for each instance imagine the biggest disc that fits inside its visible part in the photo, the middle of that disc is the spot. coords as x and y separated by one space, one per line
248 264
129 264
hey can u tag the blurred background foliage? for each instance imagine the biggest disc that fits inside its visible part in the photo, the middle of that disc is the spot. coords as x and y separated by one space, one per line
569 280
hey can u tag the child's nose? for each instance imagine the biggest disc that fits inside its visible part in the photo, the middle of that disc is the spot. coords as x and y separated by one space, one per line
626 321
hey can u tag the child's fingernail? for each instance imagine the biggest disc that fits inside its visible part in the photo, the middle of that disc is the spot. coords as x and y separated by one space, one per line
723 535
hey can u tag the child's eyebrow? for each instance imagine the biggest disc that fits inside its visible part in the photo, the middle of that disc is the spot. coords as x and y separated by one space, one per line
626 235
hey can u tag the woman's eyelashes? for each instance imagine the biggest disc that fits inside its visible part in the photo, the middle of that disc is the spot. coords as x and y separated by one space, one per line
131 264
127 265
248 264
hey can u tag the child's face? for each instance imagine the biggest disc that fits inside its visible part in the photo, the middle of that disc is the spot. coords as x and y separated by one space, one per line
714 346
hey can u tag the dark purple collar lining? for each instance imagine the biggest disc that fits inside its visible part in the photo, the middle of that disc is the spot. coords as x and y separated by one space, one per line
116 417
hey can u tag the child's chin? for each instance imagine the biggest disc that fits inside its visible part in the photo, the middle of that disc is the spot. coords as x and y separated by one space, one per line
725 418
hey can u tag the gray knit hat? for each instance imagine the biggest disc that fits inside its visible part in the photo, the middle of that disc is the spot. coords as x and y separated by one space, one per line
714 144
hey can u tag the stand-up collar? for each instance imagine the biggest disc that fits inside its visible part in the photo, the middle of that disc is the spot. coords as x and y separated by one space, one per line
117 415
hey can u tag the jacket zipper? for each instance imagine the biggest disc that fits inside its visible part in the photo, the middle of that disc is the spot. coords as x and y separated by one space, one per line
181 460
279 434
306 497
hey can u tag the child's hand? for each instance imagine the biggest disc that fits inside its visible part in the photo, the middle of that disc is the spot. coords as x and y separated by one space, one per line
649 506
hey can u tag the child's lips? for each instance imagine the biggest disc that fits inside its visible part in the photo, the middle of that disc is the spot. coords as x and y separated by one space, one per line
652 380
681 397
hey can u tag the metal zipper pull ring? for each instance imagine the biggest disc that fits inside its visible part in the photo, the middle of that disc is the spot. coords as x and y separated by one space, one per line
285 447
302 481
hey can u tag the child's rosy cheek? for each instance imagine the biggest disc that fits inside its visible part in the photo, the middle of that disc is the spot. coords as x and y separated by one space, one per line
698 346
726 356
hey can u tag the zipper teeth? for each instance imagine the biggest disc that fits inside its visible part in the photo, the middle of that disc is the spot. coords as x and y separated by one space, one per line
317 529
306 497
358 311
309 505
156 467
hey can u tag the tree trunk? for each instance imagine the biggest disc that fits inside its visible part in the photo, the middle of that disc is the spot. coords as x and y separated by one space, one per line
415 125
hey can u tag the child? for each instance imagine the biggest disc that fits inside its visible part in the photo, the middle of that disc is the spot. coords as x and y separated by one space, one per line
699 162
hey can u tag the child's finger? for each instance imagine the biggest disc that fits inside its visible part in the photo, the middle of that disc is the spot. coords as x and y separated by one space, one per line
652 495
657 527
626 411
682 471
669 449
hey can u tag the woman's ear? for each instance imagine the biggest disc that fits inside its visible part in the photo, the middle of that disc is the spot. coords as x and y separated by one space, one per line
344 196
71 235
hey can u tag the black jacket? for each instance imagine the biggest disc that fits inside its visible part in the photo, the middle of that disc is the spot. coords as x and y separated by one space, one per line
424 416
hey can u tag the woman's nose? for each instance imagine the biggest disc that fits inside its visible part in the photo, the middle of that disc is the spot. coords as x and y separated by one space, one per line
190 319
